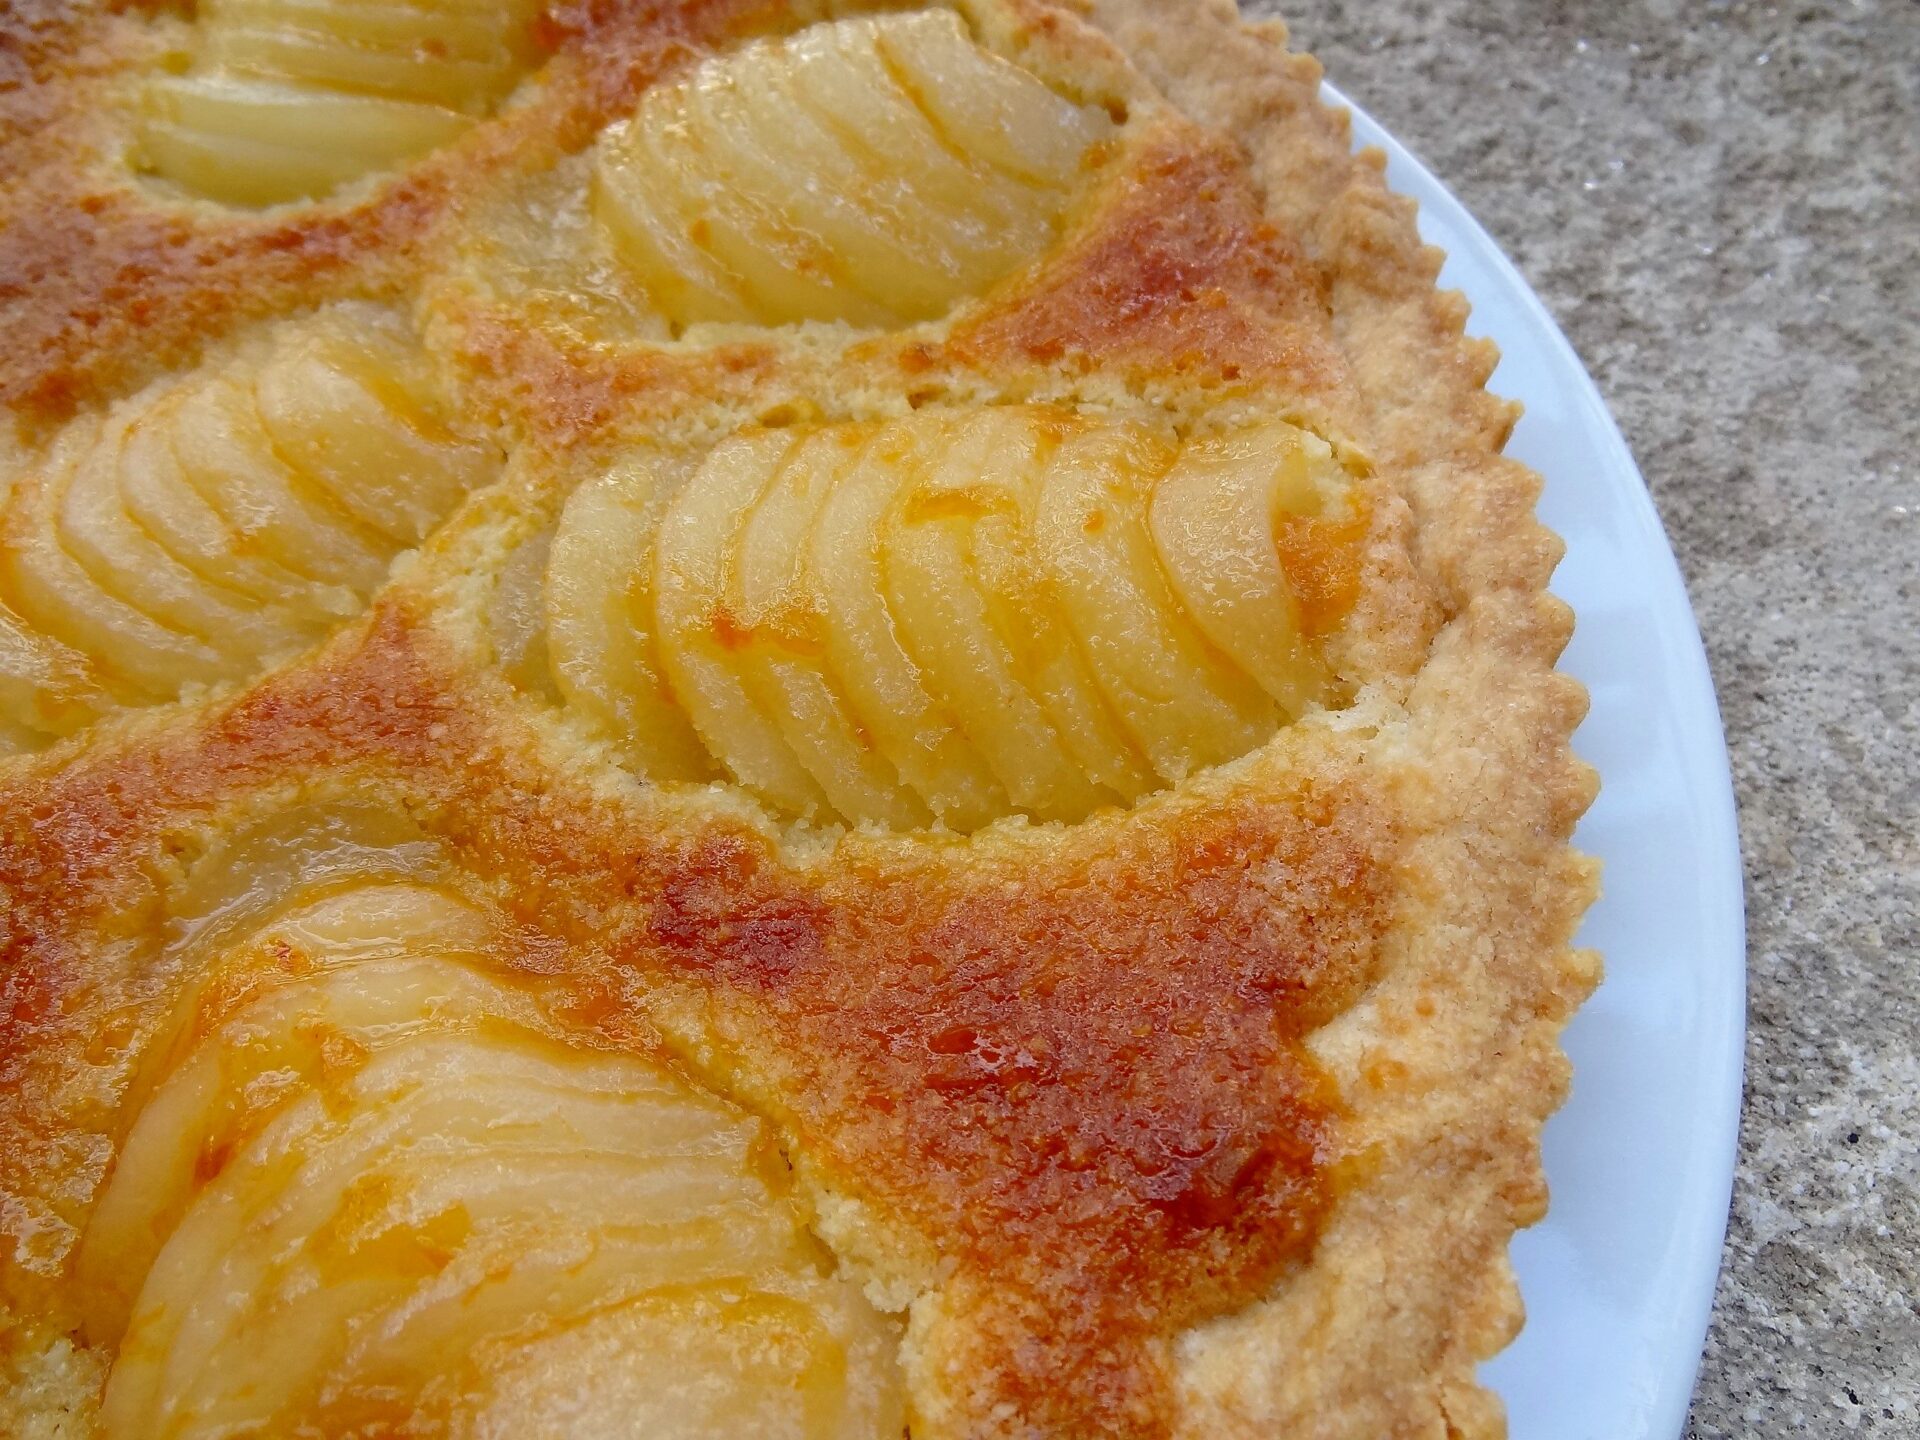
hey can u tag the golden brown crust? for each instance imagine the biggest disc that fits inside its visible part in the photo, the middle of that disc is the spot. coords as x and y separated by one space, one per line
1212 1116
961 1036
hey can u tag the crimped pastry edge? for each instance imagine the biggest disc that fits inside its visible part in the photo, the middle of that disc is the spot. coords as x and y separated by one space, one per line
1411 1285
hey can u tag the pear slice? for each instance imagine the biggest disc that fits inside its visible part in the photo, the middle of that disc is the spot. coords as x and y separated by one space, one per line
783 661
528 1180
217 1095
467 32
987 107
158 496
973 213
345 130
46 586
404 75
331 1217
126 562
362 417
571 1232
636 194
933 591
288 100
1027 616
48 688
819 178
601 639
1212 518
226 456
236 170
701 639
1184 704
885 690
368 1184
788 270
804 213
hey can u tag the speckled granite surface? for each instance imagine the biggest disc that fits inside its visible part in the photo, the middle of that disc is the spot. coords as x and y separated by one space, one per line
1721 203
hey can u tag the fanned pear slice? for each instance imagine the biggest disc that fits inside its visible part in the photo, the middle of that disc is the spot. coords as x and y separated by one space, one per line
636 196
885 690
160 498
1187 707
601 639
48 688
355 406
701 640
236 170
800 179
448 86
371 1183
225 520
346 129
1026 615
211 1099
877 238
717 160
988 107
288 100
226 456
43 583
478 30
126 562
834 260
782 659
286 1246
970 222
985 221
1213 517
943 617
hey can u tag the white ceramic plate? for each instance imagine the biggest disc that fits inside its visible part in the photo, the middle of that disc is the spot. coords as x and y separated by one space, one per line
1618 1279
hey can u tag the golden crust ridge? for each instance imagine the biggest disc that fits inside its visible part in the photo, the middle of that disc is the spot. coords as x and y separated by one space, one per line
1428 417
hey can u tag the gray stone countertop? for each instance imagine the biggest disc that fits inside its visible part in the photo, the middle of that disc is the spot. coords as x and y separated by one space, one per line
1721 204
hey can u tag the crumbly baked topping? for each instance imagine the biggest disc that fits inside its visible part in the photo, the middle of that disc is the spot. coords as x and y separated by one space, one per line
721 591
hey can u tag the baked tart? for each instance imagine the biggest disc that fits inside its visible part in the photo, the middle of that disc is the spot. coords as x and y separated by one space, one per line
745 718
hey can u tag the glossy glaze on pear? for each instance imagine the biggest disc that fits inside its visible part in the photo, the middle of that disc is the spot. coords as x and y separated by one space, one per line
956 615
225 520
290 99
872 171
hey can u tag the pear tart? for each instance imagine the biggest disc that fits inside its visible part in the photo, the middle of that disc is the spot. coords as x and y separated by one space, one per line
723 717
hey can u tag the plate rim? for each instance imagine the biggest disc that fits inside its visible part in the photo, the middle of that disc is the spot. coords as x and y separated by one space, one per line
1702 1210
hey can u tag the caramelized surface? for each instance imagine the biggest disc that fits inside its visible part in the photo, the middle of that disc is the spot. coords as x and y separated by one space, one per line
962 1040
